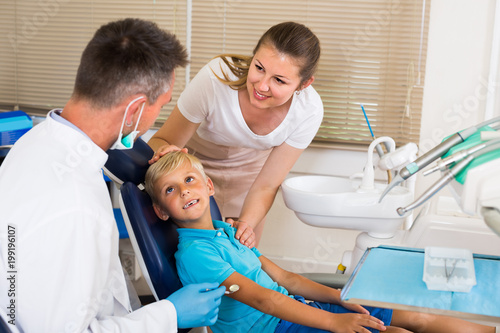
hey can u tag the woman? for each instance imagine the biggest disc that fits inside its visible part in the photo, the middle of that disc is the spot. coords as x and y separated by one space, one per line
248 119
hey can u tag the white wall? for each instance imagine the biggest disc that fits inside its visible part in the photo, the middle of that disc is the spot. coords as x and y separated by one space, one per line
458 60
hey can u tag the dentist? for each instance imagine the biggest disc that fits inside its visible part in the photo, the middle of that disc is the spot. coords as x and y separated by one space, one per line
59 265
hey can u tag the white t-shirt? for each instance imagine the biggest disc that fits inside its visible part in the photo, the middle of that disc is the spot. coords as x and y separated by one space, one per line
215 105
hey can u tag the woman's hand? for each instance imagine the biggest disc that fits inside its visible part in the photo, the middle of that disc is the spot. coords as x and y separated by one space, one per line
164 150
244 232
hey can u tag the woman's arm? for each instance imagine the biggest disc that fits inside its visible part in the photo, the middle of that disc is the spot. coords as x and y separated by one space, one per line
263 191
173 135
286 308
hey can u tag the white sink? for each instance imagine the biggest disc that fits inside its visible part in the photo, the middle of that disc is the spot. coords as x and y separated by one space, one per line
335 202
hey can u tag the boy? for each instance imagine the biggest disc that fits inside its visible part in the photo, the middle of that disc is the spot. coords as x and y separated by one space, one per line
208 252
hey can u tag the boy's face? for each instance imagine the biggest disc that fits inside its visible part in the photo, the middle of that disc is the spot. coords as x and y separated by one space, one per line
183 195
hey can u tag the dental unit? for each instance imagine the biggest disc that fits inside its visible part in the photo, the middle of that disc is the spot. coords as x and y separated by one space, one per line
354 204
449 255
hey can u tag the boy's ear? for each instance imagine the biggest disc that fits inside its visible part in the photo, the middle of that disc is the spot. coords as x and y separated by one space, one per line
210 186
160 212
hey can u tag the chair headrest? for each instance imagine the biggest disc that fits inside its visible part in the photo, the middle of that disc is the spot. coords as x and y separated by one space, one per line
157 240
129 165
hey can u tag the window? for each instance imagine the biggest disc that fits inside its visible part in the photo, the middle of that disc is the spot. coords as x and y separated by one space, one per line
44 39
373 52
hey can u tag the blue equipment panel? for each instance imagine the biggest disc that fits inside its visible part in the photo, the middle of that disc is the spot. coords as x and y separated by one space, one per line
13 125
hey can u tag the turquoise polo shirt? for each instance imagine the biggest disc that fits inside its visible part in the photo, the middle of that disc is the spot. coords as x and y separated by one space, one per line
212 256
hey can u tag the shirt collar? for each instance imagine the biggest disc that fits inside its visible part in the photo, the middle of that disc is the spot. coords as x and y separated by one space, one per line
219 226
67 132
56 115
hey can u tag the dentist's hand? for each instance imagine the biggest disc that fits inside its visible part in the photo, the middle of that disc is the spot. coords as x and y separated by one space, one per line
164 150
197 305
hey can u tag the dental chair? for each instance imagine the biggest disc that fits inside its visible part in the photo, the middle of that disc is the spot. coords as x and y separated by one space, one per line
4 328
154 241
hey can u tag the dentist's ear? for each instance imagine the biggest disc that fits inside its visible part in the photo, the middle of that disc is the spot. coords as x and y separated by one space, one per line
160 212
133 108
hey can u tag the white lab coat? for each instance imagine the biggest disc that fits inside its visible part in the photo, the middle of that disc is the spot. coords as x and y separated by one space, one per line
68 277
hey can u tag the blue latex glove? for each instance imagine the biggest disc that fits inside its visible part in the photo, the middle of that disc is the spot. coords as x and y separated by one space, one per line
195 306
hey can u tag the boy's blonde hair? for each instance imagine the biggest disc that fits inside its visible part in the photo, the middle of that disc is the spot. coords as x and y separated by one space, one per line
167 164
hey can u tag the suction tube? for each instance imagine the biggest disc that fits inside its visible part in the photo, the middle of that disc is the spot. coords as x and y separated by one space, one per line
395 182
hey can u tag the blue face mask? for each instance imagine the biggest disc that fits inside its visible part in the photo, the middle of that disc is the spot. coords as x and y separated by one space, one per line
128 142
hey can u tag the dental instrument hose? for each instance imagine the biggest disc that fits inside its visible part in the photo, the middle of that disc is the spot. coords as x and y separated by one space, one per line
433 154
449 175
459 155
424 160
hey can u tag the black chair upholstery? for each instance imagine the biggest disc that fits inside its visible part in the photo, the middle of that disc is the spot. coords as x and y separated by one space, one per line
4 327
129 165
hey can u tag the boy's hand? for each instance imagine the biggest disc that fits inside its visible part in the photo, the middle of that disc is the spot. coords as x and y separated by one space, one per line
164 150
354 307
244 232
355 322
